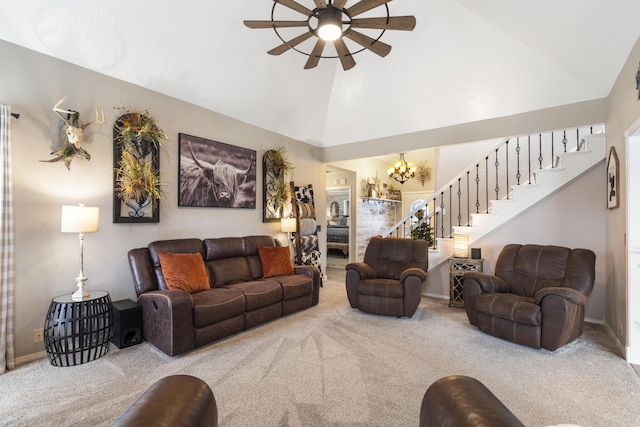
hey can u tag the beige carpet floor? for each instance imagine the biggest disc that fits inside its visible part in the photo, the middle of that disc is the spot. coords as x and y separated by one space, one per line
334 366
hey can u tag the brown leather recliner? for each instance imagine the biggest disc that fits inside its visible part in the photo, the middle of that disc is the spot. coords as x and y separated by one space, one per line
536 297
389 281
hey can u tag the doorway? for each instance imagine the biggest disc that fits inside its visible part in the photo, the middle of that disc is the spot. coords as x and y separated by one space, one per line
338 226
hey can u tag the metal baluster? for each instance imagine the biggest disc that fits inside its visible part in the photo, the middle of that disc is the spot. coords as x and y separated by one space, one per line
565 140
578 139
486 182
506 155
450 210
477 188
496 163
442 211
540 158
518 160
468 210
459 205
529 156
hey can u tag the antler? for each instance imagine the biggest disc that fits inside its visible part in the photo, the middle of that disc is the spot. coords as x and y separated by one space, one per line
97 121
58 112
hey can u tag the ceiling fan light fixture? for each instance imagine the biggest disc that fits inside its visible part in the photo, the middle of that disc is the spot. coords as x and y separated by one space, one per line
330 24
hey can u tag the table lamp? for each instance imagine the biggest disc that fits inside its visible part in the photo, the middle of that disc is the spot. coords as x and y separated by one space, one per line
461 245
80 219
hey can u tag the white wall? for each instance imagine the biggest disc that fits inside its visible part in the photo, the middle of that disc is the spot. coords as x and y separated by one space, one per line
624 111
47 260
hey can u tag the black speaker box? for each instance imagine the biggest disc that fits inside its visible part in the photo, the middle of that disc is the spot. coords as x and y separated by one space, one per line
476 253
127 323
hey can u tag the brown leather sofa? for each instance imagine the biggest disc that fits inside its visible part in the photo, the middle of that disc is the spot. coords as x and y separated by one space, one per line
537 296
389 281
173 401
462 401
176 321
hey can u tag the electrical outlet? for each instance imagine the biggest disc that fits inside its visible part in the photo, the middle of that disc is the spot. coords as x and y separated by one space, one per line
38 335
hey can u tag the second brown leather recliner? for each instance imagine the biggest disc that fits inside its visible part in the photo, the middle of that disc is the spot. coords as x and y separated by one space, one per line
537 296
389 281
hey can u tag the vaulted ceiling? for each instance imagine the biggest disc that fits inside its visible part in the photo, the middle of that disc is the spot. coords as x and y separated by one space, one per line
466 60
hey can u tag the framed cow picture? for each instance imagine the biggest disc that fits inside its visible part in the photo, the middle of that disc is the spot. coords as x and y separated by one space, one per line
215 174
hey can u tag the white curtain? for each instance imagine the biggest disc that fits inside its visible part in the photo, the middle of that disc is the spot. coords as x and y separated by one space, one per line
6 244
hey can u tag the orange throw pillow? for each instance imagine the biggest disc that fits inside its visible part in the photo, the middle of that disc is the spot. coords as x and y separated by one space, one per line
276 261
184 271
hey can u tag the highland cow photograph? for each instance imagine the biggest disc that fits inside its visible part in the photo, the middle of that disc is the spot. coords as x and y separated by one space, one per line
215 174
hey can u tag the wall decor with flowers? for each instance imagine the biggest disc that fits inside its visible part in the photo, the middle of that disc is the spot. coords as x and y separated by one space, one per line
277 170
137 141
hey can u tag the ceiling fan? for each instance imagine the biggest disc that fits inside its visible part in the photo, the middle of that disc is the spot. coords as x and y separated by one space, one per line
331 21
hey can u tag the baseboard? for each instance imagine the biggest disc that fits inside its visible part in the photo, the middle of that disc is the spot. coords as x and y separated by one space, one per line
618 345
23 360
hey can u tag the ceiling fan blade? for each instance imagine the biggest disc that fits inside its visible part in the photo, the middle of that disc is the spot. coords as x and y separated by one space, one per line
375 46
364 5
277 24
405 23
345 56
339 4
291 43
295 6
320 3
314 56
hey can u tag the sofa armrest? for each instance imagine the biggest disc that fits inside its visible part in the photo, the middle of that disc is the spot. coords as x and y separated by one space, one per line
365 271
421 274
488 283
314 273
569 294
475 284
167 320
174 400
463 401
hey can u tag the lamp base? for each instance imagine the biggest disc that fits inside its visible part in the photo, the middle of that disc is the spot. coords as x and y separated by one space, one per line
81 293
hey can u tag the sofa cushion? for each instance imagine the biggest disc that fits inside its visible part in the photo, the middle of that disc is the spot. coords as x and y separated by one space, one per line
216 305
295 285
259 293
511 307
184 271
276 261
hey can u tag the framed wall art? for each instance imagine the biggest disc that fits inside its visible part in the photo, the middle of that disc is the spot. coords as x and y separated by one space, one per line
613 178
215 174
136 168
276 172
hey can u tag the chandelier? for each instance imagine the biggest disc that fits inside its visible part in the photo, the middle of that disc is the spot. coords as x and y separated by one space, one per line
402 171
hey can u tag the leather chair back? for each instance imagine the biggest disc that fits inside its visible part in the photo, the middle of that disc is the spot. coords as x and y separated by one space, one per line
391 256
529 268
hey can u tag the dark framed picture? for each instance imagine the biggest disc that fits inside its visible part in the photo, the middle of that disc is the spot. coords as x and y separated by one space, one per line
215 174
613 177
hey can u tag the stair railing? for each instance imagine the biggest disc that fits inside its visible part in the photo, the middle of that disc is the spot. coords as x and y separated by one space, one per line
512 162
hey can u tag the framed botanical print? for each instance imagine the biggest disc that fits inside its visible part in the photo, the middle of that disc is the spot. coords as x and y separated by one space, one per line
613 179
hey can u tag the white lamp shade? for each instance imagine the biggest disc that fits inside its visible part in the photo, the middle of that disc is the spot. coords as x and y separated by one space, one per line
79 219
288 225
461 245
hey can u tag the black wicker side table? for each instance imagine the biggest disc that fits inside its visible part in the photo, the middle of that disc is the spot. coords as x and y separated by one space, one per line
77 332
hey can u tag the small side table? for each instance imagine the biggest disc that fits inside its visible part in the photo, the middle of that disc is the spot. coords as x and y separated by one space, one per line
77 332
457 268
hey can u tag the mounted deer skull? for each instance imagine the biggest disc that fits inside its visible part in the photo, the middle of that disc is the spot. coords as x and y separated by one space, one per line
72 135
